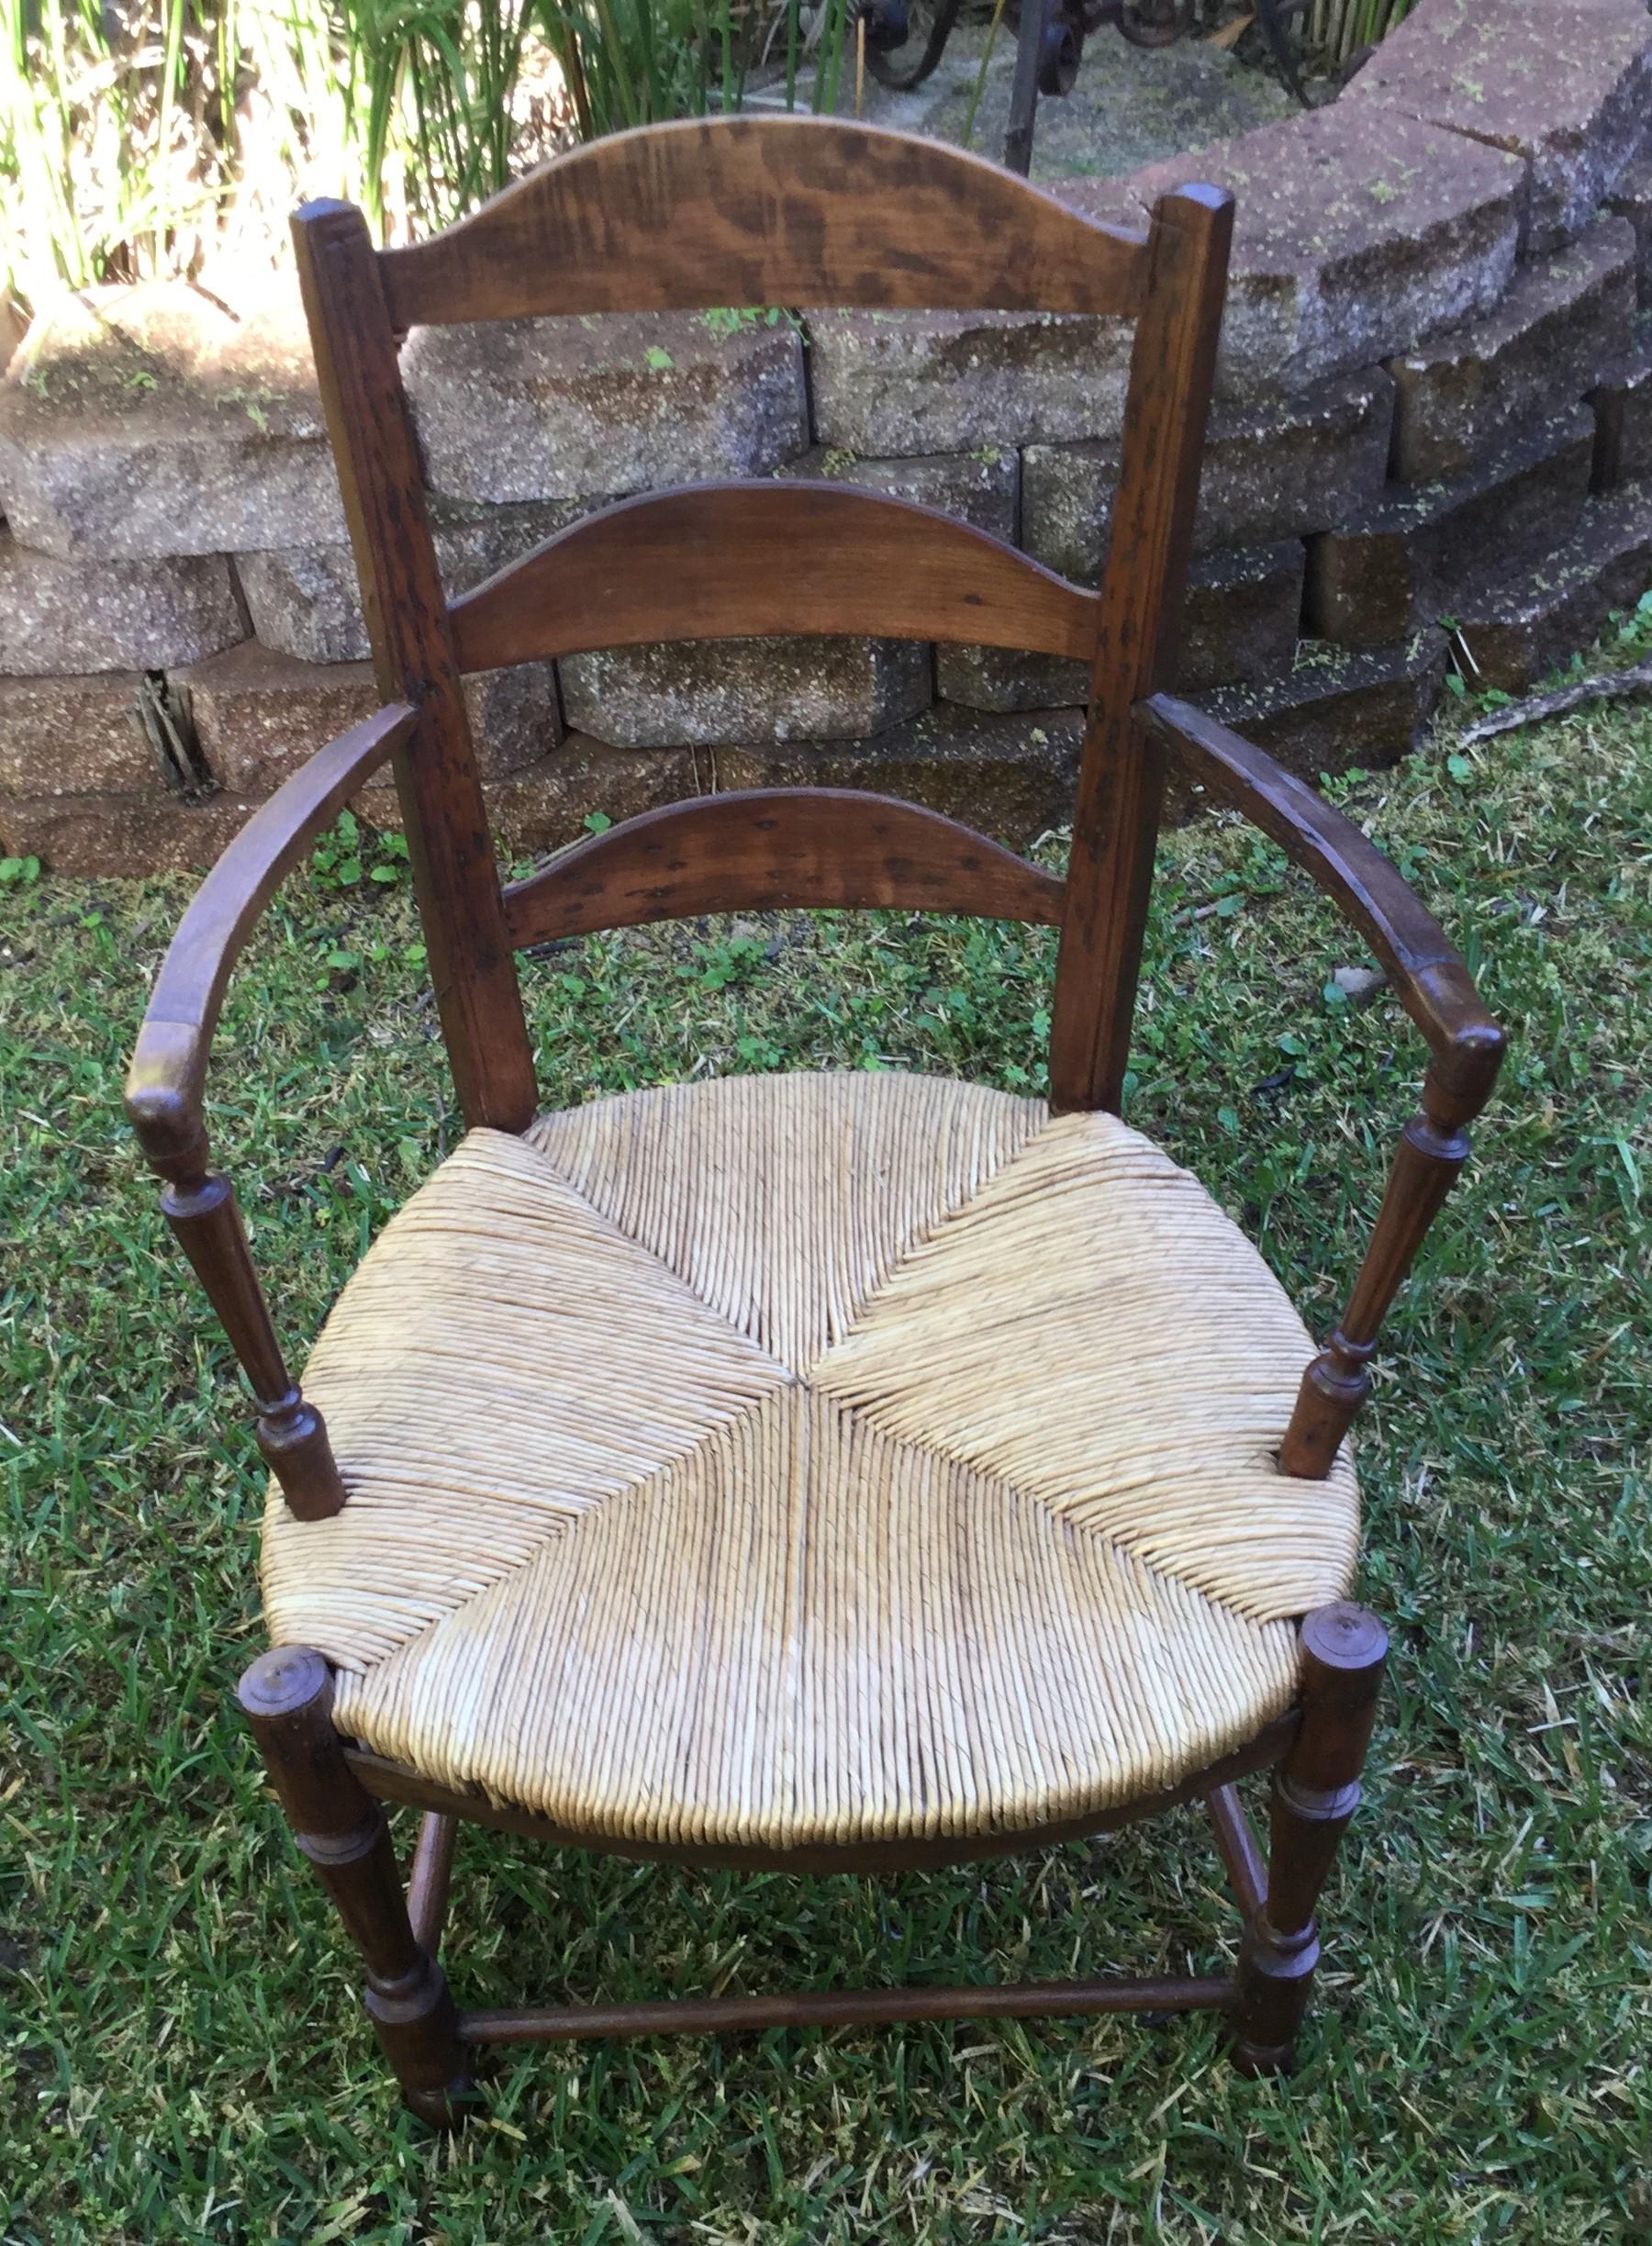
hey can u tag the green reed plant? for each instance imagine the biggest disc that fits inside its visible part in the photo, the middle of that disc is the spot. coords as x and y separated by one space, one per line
140 137
126 131
1339 29
640 62
432 99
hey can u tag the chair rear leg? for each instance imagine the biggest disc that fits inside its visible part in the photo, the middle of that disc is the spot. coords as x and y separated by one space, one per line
287 1698
1316 1790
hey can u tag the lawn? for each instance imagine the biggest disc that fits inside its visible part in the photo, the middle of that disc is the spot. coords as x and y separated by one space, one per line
183 2055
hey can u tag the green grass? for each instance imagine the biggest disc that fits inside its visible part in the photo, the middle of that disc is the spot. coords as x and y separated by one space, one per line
184 2058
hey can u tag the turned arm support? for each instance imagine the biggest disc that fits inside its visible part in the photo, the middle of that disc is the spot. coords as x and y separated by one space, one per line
1466 1045
166 1087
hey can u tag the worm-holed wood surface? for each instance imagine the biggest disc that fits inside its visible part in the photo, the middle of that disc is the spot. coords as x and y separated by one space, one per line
835 1352
165 1082
1120 775
742 560
771 849
751 211
381 481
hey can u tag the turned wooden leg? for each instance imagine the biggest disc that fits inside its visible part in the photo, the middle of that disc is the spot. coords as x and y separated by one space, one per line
1316 1790
287 1697
201 1210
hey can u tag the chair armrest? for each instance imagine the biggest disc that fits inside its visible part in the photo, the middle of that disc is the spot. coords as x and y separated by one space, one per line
166 1082
1432 984
1436 989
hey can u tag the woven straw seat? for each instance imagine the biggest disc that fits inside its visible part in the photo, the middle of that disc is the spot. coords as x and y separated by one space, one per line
796 1461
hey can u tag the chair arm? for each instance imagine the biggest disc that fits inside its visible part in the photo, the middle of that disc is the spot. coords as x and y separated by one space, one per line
1432 984
166 1082
1436 990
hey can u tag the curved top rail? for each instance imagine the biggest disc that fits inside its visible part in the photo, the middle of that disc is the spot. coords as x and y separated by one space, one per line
749 210
747 560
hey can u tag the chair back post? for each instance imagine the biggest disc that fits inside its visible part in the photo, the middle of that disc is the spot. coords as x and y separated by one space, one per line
449 844
1121 776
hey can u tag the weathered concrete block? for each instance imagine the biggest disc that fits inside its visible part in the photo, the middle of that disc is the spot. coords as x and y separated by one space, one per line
1272 470
515 716
1565 317
1632 200
1623 411
471 547
305 601
546 804
1337 710
1567 87
1001 678
79 616
520 409
1276 470
982 487
1415 555
1241 623
145 421
1347 244
901 383
121 836
75 736
708 692
1010 777
1516 631
259 716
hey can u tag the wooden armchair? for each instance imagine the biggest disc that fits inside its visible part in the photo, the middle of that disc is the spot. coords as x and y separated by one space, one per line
813 1471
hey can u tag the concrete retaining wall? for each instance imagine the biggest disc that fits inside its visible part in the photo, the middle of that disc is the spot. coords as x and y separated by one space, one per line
1435 416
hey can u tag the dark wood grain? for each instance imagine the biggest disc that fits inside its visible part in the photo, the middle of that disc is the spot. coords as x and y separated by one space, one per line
1316 1792
754 211
429 1878
394 1782
1337 1383
167 1088
287 1697
382 481
1242 1859
765 850
740 560
712 2015
751 210
167 1081
200 1207
1121 780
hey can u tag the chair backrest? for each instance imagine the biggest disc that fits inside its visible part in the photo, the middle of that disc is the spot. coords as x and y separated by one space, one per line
771 211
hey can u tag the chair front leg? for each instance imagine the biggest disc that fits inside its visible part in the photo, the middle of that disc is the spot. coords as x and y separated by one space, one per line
287 1698
1316 1790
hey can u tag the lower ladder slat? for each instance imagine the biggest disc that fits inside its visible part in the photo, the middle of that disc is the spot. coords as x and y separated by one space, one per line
843 2008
